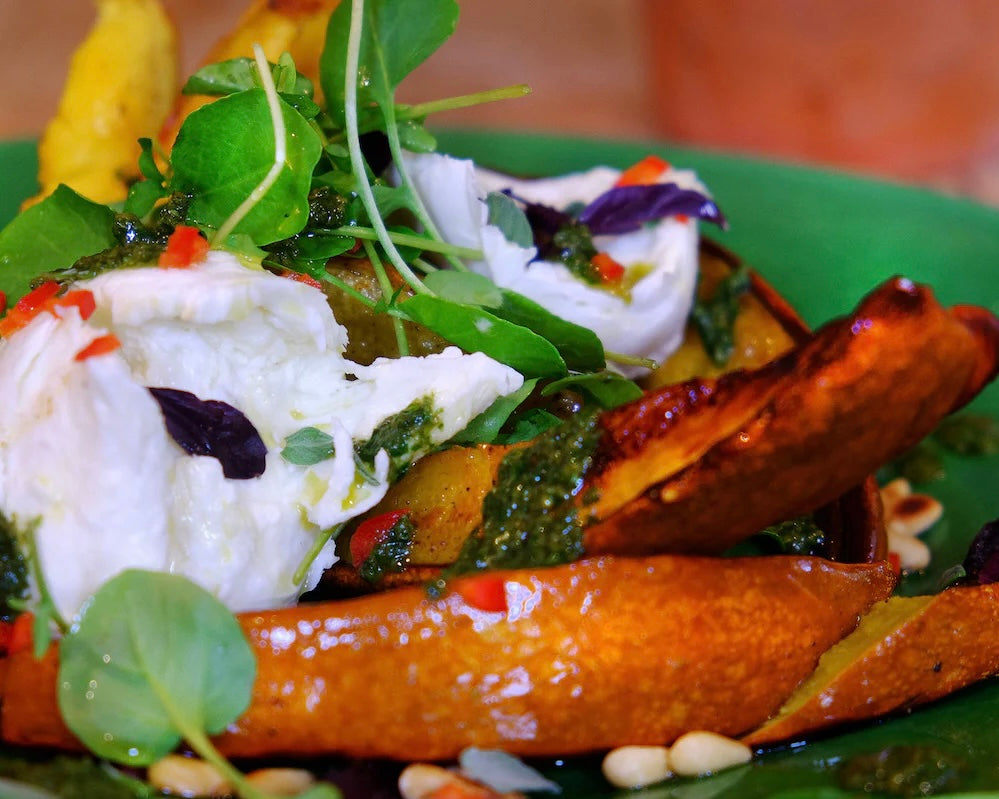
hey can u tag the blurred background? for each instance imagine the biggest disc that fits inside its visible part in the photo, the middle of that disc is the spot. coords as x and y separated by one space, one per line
902 89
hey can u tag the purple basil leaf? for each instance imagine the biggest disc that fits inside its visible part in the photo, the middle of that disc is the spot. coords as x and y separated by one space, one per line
982 561
626 208
213 428
544 220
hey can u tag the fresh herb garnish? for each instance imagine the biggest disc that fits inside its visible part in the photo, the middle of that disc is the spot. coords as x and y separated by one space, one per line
714 318
800 536
213 428
308 446
404 436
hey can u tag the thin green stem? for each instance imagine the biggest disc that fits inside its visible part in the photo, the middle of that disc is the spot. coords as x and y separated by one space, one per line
387 292
410 240
630 360
354 147
317 546
421 110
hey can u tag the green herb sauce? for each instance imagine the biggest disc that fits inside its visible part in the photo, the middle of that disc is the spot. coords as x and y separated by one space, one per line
801 536
714 318
573 244
532 515
13 569
906 770
391 553
402 436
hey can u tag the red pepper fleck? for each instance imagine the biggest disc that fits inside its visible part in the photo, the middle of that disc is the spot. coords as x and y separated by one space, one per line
16 635
28 307
370 533
486 592
646 171
81 299
682 218
3 302
301 277
896 562
461 790
185 247
101 345
610 271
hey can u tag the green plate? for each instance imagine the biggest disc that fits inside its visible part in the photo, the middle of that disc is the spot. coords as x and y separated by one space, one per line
824 240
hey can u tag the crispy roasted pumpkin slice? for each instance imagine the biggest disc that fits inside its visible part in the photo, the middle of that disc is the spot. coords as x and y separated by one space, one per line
906 651
575 658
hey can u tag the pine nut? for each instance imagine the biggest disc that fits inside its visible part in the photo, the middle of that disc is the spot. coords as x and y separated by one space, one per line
282 781
698 753
913 554
636 766
187 776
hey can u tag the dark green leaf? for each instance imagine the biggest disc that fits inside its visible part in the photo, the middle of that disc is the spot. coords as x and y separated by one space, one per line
467 288
13 569
608 389
51 235
398 36
476 330
415 137
485 428
579 347
147 162
510 218
529 426
224 151
714 318
307 447
239 74
153 659
143 196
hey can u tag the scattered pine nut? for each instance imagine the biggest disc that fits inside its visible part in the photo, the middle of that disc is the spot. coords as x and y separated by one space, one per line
187 776
281 781
698 753
636 766
424 781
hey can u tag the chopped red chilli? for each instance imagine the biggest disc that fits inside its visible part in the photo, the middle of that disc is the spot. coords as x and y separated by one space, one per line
486 592
370 533
101 345
185 247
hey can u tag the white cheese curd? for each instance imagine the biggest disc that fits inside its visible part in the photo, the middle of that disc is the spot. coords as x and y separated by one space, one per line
85 452
649 323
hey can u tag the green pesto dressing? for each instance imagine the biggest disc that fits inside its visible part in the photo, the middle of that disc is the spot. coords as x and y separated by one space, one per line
532 515
391 554
403 436
13 569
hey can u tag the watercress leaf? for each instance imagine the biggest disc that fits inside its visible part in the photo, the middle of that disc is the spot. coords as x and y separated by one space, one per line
239 74
319 247
307 447
529 426
153 659
143 196
580 347
504 213
414 136
476 330
220 157
147 161
608 389
468 288
305 105
390 199
626 208
215 429
485 428
51 235
392 46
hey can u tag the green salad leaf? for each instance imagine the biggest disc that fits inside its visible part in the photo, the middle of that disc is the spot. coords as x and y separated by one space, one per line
154 659
220 158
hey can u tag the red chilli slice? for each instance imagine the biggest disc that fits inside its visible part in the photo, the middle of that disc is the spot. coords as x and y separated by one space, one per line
185 247
646 171
370 533
486 592
101 345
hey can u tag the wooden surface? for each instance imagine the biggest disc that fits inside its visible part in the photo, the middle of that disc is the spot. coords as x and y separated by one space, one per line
907 89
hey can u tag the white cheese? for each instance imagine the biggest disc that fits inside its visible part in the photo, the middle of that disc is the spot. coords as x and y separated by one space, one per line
84 450
648 324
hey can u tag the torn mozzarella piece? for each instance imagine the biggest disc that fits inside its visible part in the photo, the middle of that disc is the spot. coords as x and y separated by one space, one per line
661 260
84 450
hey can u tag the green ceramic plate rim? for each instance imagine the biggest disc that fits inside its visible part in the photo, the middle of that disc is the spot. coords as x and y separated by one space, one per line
824 239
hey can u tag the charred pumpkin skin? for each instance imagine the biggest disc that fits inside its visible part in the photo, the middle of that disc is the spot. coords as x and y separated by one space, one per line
863 390
575 664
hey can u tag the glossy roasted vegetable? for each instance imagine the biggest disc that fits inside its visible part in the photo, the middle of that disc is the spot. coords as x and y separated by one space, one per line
582 657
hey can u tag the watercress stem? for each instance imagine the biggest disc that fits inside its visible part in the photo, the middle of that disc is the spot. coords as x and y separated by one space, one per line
630 360
325 535
387 292
354 148
421 110
411 240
